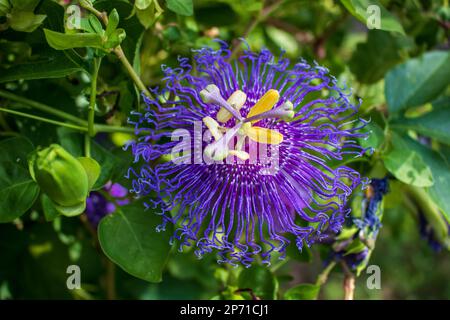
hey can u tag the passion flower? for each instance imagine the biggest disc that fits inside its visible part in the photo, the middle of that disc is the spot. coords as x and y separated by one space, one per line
226 198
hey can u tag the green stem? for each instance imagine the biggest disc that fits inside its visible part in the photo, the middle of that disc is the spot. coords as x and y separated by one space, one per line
349 286
349 282
137 80
61 114
91 110
111 129
110 280
9 134
42 107
57 123
87 145
323 276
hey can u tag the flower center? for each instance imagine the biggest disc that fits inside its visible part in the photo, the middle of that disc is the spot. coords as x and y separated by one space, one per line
263 109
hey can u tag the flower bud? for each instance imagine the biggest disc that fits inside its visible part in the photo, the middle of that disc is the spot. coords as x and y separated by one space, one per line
60 175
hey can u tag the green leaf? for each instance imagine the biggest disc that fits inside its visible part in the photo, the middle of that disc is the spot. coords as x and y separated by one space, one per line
96 25
113 22
50 212
433 124
407 165
18 191
16 150
181 7
129 238
373 58
26 5
441 173
92 170
417 81
304 291
283 39
45 62
258 278
359 9
112 165
63 41
375 137
5 7
294 253
52 65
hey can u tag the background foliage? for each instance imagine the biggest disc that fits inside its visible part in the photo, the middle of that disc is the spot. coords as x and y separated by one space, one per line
76 87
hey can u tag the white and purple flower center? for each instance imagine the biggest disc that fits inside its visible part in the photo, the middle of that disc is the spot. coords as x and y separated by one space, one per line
243 126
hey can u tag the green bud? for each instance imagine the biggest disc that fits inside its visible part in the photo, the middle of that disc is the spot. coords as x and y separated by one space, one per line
60 175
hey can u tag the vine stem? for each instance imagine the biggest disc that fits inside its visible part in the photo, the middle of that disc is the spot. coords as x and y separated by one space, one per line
137 80
91 111
57 123
110 280
349 283
42 107
87 145
93 97
323 276
349 287
60 114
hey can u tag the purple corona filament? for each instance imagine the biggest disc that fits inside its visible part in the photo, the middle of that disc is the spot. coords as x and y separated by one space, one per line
235 209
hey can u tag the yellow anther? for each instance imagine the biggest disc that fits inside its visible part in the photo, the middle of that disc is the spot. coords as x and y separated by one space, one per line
236 101
265 103
264 135
213 127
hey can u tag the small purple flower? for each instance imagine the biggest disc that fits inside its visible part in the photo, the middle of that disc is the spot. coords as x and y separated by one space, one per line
240 208
102 203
